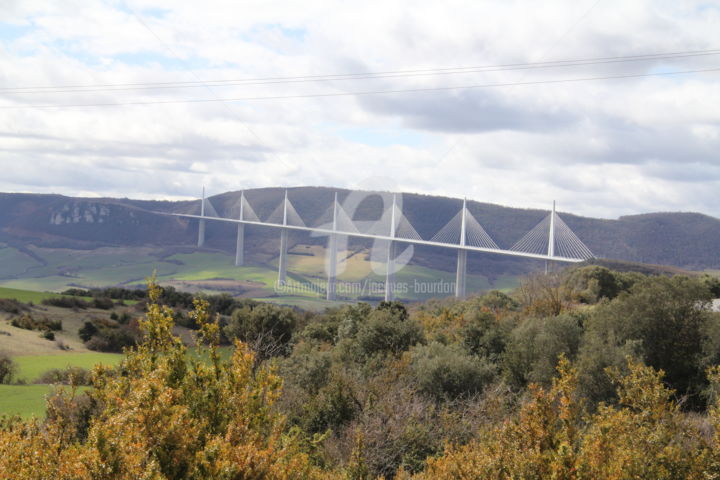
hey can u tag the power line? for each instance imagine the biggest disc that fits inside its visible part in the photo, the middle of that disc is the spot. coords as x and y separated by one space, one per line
200 81
358 76
371 92
543 56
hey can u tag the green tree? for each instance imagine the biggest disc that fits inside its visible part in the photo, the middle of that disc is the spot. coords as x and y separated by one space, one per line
267 328
535 345
663 321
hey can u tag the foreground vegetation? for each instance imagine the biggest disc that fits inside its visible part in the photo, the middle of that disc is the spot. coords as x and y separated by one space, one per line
583 374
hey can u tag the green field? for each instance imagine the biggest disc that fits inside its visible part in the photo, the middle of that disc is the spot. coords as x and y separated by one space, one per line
25 296
29 400
30 367
206 271
24 400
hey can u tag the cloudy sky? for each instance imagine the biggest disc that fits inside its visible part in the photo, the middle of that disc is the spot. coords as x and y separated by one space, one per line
241 94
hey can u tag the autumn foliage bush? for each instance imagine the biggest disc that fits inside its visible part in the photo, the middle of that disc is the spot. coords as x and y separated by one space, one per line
162 416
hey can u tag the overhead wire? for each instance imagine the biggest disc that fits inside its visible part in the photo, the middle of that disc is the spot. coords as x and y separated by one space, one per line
199 80
355 76
358 93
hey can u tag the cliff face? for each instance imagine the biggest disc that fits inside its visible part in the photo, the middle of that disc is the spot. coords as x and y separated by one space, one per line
687 240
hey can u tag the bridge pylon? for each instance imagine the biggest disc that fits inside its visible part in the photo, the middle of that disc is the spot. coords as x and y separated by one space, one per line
332 255
201 226
461 273
282 261
240 245
390 273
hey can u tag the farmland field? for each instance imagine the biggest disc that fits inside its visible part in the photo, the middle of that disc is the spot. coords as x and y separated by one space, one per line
213 271
29 400
23 400
25 296
30 367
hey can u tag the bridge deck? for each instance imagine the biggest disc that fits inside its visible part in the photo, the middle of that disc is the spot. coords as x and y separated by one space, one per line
430 243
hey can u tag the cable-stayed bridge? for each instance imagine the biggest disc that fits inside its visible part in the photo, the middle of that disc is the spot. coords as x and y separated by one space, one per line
550 240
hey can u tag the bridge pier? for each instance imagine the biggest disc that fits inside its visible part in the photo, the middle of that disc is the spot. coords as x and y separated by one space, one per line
201 226
390 274
332 269
240 246
201 234
461 274
282 262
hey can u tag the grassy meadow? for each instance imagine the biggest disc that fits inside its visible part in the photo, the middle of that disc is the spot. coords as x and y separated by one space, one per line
213 271
24 400
31 367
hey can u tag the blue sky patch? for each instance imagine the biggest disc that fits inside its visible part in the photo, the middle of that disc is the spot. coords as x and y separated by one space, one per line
11 31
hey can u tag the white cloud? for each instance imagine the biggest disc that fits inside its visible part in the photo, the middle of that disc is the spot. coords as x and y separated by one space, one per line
603 148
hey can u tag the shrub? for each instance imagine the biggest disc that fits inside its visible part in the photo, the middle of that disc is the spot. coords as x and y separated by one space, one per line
48 335
111 340
102 303
67 376
10 305
665 320
28 322
387 330
267 328
483 335
534 346
447 372
333 406
87 331
8 368
67 302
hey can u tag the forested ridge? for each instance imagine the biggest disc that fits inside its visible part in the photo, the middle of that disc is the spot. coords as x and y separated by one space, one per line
585 373
680 239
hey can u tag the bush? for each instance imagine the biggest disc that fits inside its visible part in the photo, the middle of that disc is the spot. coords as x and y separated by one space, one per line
87 331
267 328
593 283
483 335
111 340
27 322
535 345
331 408
102 303
307 370
447 372
67 376
67 302
75 413
8 368
48 335
664 321
387 330
10 305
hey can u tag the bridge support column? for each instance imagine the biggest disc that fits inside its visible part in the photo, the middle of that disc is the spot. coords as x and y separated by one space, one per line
201 233
461 274
332 269
282 263
390 274
240 247
201 225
